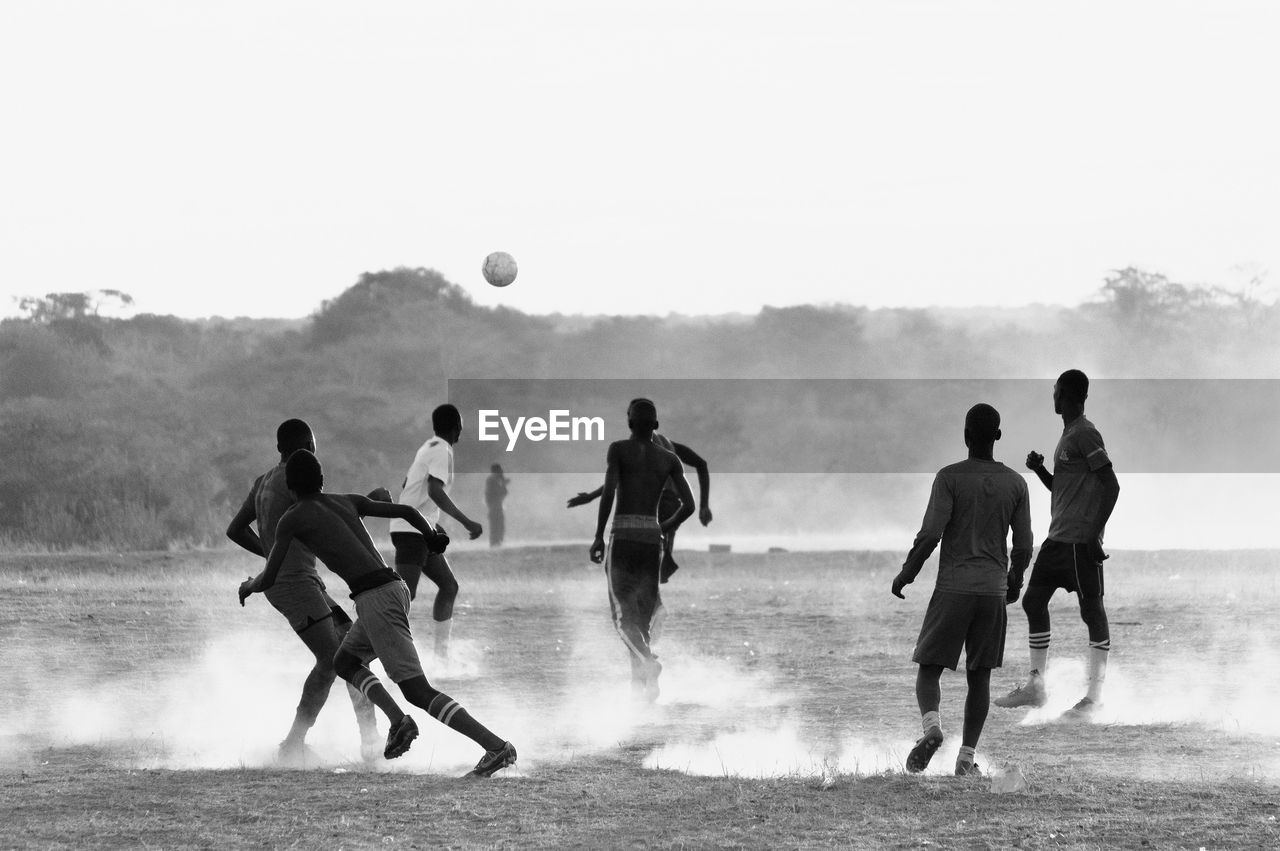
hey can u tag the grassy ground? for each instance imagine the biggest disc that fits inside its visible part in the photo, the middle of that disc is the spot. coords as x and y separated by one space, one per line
142 705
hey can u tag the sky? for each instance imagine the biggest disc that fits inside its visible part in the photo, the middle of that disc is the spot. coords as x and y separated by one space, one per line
254 158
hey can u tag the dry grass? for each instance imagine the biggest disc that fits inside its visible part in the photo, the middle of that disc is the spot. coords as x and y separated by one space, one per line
817 630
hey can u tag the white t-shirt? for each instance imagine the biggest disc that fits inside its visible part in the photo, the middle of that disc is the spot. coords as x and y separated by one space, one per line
434 458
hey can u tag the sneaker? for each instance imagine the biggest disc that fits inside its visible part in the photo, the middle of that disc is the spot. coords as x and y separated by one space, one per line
926 746
1030 693
968 769
399 737
494 760
1082 711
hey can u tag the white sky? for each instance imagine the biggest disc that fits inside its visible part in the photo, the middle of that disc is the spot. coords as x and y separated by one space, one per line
253 158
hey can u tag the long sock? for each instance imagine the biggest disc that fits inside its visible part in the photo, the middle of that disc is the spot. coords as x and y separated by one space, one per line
1098 653
368 685
1038 642
365 718
450 713
443 629
929 720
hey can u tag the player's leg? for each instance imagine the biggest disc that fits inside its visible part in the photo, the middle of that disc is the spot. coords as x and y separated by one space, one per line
984 650
438 571
1051 571
388 629
648 600
1089 583
942 636
366 719
306 608
411 554
625 565
976 705
349 663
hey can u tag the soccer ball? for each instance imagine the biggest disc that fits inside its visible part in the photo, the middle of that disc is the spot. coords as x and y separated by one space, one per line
499 268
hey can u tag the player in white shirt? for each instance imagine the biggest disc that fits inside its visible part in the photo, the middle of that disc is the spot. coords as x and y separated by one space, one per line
426 488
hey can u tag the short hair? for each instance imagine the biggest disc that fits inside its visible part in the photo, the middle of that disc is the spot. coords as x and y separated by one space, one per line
982 423
1074 384
303 474
445 418
643 412
495 468
293 434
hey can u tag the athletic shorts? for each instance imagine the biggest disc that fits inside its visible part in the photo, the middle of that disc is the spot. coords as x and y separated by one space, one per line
305 604
411 548
953 621
1069 566
382 630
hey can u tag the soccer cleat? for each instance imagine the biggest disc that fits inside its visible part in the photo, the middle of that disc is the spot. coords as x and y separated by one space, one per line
1082 711
926 746
400 737
967 769
1030 693
494 760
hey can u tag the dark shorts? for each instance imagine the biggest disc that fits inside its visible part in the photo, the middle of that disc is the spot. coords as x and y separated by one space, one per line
411 548
1069 566
970 622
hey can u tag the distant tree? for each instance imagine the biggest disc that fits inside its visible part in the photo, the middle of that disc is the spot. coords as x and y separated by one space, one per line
71 306
377 296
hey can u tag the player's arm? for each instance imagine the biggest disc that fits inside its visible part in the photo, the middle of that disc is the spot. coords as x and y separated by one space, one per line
1110 495
583 498
936 517
379 494
240 529
1023 542
286 529
696 461
435 490
1035 463
606 504
367 507
686 497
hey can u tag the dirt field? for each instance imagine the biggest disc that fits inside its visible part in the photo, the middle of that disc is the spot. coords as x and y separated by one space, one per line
142 707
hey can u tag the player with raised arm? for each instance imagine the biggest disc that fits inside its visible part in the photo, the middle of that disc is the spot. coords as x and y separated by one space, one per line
1084 491
330 526
300 596
972 507
638 470
426 488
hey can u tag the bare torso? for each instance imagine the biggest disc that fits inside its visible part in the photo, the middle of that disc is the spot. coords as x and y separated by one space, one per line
330 526
643 470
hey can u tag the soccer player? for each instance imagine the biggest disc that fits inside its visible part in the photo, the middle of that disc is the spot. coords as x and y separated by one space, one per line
299 595
638 470
330 526
495 492
1084 491
972 507
670 500
426 488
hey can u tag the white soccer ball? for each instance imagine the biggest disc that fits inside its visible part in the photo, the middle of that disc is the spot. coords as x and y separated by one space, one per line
499 268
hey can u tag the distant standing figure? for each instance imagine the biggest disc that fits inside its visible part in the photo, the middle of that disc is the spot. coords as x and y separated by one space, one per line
495 491
972 508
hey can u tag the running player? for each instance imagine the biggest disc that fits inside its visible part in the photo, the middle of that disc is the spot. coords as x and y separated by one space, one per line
426 488
638 470
330 526
1084 491
972 507
299 595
